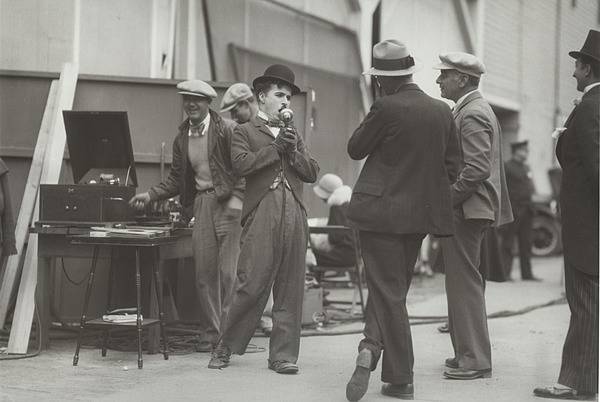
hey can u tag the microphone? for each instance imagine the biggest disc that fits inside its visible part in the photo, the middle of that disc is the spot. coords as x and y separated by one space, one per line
286 116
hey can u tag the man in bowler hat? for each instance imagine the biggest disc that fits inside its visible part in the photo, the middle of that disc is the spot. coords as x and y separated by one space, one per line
480 199
201 175
577 152
520 191
402 194
271 155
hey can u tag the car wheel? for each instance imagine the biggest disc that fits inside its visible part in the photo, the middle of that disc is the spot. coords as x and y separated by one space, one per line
546 236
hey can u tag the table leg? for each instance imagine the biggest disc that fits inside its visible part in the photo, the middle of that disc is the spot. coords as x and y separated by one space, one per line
43 300
86 300
159 297
138 283
106 332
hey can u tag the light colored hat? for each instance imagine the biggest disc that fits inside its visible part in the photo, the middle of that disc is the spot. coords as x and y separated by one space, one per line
392 58
464 62
197 88
327 185
234 94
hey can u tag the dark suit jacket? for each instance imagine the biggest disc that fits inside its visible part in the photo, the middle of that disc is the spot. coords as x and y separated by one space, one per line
481 189
577 152
410 143
254 158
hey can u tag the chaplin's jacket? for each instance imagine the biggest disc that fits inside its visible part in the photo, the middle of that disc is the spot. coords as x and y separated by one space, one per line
410 142
577 152
181 176
255 158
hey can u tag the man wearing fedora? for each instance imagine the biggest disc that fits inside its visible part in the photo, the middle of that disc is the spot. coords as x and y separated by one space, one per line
402 194
201 175
577 152
520 191
275 162
480 199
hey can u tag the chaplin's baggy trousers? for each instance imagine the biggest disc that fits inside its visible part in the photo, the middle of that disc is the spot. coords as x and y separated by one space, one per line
273 252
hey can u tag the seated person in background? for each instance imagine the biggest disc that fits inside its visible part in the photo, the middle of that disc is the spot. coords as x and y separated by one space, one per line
338 250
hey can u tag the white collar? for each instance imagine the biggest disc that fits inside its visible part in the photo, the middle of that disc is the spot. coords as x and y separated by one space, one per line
265 118
263 115
206 122
462 98
586 89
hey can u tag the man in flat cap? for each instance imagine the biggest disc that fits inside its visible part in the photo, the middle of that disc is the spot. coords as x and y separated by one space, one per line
270 153
239 101
480 199
201 175
520 191
402 194
577 152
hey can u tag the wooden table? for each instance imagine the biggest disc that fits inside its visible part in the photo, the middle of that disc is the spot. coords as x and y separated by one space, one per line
56 242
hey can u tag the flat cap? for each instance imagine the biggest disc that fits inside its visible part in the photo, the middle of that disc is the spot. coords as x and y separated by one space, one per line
197 88
464 62
234 94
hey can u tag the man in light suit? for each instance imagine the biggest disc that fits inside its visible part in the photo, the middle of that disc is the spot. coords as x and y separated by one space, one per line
480 199
577 152
402 194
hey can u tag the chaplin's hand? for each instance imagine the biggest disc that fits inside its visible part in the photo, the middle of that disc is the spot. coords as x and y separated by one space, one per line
139 201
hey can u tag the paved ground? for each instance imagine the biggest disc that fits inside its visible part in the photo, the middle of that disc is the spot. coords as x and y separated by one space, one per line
526 353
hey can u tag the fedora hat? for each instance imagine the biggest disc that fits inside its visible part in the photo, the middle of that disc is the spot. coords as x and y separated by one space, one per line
391 58
327 185
281 73
591 47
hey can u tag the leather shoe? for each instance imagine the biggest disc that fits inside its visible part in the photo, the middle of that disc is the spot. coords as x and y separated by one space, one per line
563 393
359 382
400 391
283 367
219 358
466 374
451 362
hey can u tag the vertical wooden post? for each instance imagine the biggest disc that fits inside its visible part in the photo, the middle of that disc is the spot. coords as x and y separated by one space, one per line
23 316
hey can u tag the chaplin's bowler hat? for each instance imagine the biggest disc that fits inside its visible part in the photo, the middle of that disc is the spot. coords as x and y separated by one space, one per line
591 47
281 73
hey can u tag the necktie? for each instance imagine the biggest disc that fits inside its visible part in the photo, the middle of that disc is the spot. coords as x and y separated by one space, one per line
196 131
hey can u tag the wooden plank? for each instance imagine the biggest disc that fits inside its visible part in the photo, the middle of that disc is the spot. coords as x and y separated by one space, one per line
28 203
23 316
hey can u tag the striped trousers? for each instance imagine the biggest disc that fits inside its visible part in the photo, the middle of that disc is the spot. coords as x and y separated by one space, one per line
579 368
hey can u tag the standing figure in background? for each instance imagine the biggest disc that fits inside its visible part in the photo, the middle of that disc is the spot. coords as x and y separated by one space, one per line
239 101
275 162
402 194
520 190
480 200
7 220
577 152
201 174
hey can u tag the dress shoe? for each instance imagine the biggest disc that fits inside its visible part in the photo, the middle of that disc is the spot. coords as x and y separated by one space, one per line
400 391
466 374
283 367
359 382
451 362
563 393
220 357
444 329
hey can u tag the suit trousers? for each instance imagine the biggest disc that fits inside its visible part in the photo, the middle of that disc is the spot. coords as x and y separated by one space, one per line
216 239
389 264
579 369
273 252
521 229
465 288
